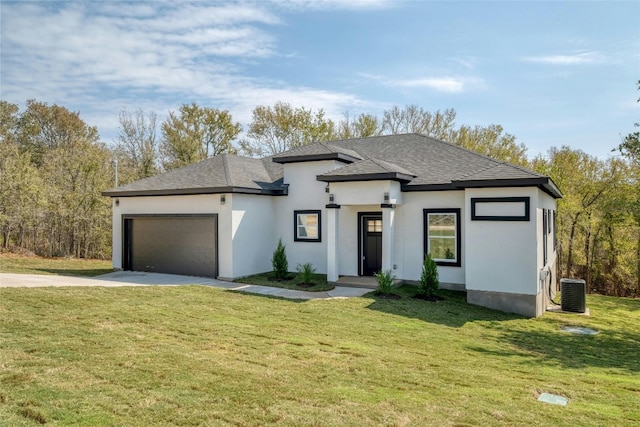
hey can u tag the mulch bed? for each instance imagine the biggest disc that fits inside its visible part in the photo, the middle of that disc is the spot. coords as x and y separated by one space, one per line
278 279
387 296
305 285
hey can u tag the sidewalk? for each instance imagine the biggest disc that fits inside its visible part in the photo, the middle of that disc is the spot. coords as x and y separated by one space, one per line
135 278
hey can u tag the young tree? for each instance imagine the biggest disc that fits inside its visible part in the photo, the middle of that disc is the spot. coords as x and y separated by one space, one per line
196 133
282 127
136 145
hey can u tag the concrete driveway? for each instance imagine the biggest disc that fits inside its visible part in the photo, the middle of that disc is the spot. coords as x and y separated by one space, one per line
135 278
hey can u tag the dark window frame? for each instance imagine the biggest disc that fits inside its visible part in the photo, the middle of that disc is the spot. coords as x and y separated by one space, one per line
525 200
458 243
296 237
545 234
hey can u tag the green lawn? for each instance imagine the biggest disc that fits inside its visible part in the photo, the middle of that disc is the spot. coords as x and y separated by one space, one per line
203 356
11 263
319 281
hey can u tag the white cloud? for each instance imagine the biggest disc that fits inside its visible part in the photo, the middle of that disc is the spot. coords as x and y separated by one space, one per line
335 4
447 84
572 59
97 58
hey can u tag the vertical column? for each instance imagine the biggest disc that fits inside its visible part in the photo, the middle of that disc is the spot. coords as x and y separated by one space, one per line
388 233
332 242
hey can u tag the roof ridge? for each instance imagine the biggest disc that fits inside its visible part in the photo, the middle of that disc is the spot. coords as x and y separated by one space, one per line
227 170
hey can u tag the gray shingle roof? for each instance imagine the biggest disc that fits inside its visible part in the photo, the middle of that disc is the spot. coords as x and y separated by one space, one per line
220 174
369 169
421 163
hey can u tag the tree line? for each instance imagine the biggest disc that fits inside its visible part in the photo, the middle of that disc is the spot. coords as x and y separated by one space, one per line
53 167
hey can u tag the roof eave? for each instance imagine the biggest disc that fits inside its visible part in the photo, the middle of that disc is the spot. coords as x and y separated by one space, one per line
544 183
341 157
194 191
391 176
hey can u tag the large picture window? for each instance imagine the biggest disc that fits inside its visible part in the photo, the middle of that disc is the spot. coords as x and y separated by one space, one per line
307 226
442 235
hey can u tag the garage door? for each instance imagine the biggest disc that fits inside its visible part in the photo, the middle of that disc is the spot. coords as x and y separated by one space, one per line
185 244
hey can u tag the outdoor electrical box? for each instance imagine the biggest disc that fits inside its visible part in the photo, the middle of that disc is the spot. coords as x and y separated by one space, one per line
573 295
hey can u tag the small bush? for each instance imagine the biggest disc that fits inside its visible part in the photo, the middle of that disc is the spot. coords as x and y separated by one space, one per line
385 281
279 262
306 272
429 283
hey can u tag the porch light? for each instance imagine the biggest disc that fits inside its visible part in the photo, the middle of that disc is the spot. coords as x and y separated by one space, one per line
326 189
386 197
331 198
223 199
117 202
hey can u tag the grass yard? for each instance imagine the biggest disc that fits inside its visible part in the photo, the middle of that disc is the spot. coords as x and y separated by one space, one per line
20 264
202 356
319 281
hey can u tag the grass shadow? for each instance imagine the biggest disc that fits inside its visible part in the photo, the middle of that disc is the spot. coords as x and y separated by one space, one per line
453 311
608 349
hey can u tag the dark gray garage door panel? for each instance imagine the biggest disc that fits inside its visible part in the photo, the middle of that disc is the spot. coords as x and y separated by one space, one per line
176 245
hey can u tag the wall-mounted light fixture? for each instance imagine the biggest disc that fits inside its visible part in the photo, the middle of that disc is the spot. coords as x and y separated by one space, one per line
331 198
117 202
386 197
223 199
326 189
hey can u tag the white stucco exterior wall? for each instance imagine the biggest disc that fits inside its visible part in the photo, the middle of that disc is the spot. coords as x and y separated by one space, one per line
305 193
253 235
501 256
191 204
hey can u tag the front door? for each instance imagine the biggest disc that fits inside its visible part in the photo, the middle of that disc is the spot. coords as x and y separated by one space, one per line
370 243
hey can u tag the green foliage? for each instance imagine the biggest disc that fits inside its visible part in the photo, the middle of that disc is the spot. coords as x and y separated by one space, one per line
429 280
306 272
490 141
363 126
385 281
53 168
279 262
449 254
282 127
196 133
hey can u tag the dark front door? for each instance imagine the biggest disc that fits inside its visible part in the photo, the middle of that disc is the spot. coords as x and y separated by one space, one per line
370 244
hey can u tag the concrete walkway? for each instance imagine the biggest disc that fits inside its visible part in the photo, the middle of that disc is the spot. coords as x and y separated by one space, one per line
135 278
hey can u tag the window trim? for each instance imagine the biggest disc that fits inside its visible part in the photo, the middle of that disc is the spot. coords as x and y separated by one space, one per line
296 214
458 243
480 200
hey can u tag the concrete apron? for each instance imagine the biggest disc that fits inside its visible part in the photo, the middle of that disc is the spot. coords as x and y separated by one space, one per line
134 278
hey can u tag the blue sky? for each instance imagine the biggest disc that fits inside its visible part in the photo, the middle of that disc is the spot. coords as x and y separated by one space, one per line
551 73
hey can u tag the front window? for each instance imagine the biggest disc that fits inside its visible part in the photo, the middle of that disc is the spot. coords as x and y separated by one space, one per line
307 226
442 235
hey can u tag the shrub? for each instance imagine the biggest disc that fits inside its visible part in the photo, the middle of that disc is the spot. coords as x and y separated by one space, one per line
429 282
306 272
279 262
385 281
